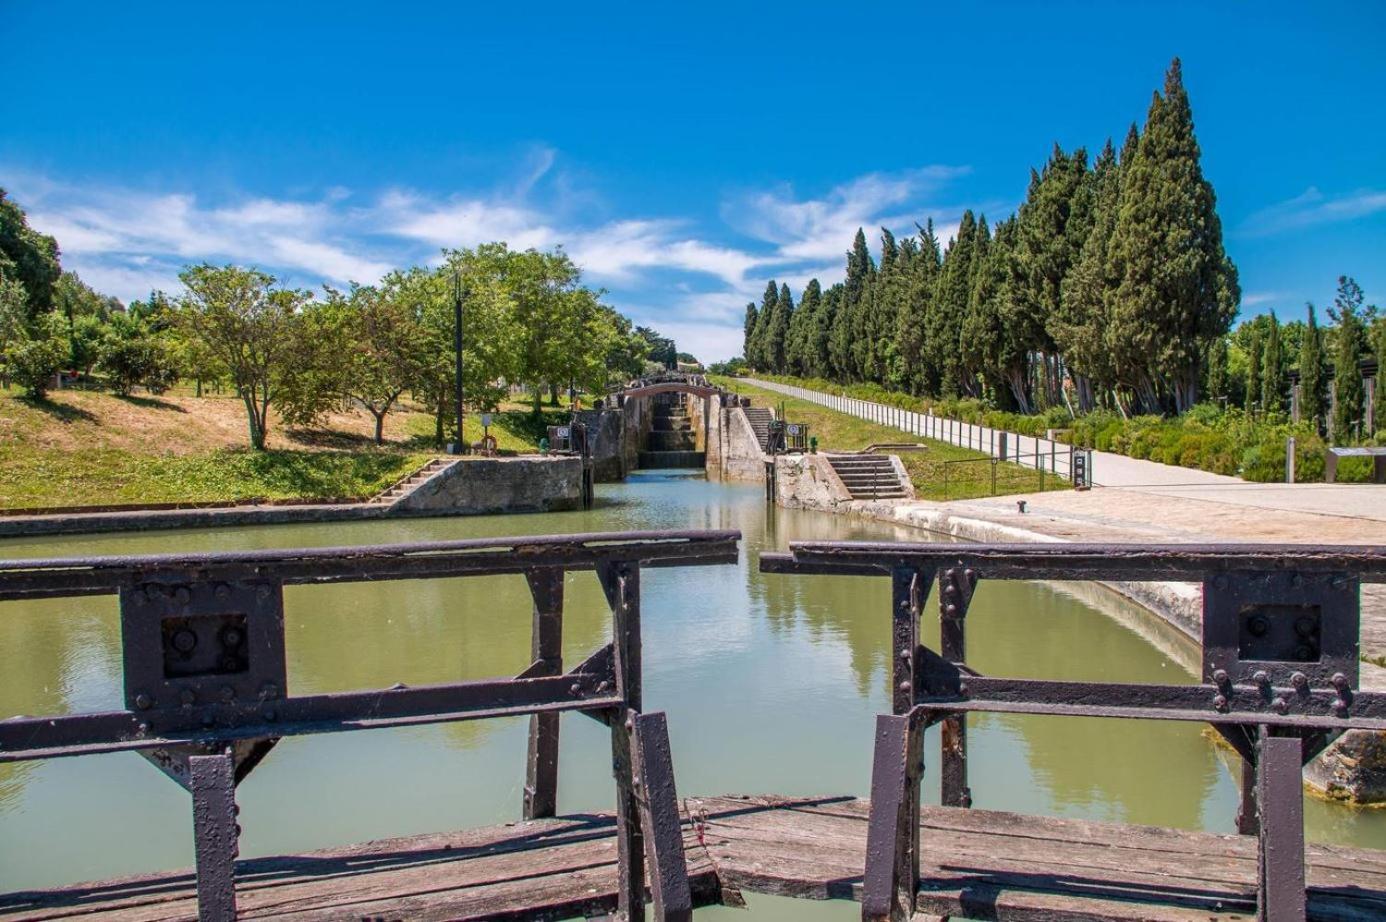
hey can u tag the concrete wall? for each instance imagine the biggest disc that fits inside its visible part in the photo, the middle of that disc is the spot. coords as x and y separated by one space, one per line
739 456
808 482
482 486
606 432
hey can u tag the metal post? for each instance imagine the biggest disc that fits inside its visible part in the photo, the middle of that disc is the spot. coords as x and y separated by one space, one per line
459 446
621 583
653 780
1290 460
955 595
1280 795
546 656
890 884
212 780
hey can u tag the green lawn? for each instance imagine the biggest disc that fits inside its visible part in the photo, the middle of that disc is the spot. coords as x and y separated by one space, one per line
939 471
111 476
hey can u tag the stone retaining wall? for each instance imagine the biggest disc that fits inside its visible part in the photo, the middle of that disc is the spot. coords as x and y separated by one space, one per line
482 486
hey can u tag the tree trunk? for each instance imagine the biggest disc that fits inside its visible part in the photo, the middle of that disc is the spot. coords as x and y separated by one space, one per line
199 387
553 395
379 426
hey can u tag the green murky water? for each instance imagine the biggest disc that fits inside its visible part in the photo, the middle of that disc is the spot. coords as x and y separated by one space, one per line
771 684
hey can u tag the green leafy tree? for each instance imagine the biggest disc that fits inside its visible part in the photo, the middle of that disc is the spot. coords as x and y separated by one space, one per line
249 325
37 353
1312 380
1178 290
1349 348
131 355
28 257
381 328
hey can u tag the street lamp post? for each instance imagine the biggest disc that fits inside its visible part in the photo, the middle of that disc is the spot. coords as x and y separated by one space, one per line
459 445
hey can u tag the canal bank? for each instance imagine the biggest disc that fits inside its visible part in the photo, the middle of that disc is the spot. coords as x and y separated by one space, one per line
443 487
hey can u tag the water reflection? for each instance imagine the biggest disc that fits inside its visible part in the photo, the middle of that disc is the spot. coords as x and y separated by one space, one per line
771 684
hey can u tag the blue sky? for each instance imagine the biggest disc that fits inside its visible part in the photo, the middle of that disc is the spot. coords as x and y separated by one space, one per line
683 154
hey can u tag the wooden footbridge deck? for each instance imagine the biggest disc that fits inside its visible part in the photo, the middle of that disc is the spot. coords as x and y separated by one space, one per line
206 701
980 864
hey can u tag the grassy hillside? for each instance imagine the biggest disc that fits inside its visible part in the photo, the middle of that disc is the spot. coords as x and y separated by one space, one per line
938 471
80 448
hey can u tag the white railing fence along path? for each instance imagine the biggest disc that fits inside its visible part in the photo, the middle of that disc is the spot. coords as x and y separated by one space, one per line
1026 450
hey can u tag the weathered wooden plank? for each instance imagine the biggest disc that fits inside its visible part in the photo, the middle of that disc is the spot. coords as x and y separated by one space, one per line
976 863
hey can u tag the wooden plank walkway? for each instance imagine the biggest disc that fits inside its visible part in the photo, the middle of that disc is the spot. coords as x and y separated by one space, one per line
979 863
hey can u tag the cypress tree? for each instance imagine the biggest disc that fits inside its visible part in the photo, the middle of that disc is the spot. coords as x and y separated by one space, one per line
759 355
1254 349
1217 370
951 295
1272 374
809 318
912 321
992 355
1348 347
1378 340
1311 377
777 330
882 311
1079 325
1045 249
748 331
1178 290
861 273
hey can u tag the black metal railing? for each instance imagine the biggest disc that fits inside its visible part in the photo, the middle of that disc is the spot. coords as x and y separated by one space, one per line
1279 681
206 696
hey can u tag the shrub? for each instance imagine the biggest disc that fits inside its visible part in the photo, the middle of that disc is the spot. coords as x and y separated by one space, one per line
37 354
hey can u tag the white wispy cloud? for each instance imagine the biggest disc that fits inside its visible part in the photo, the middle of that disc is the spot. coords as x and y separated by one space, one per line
1311 207
691 281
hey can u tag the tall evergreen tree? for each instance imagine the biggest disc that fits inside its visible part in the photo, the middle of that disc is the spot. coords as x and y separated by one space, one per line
758 356
861 273
1272 372
748 331
1079 325
777 330
1046 247
992 355
1178 290
1255 348
1311 373
883 308
951 294
797 340
912 320
1349 345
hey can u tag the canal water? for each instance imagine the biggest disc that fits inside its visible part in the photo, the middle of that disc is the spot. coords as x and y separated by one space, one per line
771 684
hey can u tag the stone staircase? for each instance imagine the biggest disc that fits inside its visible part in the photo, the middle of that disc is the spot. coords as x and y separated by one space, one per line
868 476
406 485
760 420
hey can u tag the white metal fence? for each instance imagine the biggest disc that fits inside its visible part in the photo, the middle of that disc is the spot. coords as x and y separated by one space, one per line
1025 450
